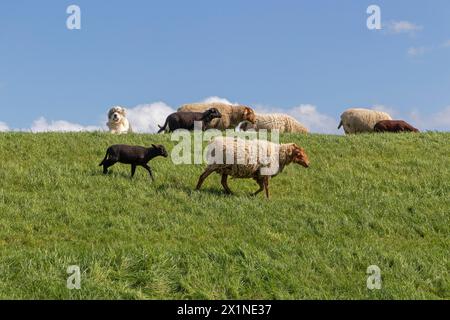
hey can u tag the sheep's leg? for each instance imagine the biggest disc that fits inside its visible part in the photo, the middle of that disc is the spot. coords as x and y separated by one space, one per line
225 184
203 177
261 186
133 170
149 171
266 186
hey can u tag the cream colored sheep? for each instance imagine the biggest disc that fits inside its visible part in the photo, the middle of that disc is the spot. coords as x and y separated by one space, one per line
231 115
361 120
256 159
276 121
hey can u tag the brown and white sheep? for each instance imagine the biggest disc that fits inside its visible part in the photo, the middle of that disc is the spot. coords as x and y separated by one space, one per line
256 159
231 115
360 120
276 121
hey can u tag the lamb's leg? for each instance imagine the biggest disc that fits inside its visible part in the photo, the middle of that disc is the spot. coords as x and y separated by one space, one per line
225 184
260 182
133 170
266 186
203 177
147 167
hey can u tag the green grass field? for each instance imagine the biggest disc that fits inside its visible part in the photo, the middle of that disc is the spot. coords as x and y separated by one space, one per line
366 200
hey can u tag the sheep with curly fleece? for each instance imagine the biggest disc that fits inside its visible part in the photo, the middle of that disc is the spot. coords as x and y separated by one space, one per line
256 159
231 115
360 120
276 121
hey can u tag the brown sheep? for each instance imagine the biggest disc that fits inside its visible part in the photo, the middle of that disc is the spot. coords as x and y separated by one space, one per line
231 115
394 126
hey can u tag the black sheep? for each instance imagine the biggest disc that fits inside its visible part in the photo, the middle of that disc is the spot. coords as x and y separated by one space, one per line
134 155
186 120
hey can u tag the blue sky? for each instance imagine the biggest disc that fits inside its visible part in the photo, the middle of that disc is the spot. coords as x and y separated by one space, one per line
312 59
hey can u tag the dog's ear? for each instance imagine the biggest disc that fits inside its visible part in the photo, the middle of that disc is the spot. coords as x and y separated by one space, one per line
154 146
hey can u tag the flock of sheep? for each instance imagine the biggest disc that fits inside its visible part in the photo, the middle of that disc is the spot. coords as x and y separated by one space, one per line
246 162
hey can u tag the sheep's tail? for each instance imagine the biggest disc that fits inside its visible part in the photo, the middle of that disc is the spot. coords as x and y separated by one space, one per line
340 124
106 157
161 129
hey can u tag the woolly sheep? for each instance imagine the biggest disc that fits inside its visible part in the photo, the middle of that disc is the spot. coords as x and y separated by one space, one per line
281 122
231 115
361 120
256 159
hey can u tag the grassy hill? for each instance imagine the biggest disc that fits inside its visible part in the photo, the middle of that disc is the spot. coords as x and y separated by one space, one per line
366 200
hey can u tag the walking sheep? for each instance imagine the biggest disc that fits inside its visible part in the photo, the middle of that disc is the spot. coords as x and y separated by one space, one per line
256 159
394 126
186 120
281 122
361 120
134 155
231 115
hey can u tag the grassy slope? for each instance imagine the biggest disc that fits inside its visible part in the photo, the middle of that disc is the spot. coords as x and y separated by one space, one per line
368 199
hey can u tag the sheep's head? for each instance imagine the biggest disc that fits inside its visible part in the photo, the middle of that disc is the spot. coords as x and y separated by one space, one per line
249 115
160 150
211 114
299 156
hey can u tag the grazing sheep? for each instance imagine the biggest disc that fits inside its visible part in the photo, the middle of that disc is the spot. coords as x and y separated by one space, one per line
134 155
361 120
241 160
394 126
231 115
281 122
186 120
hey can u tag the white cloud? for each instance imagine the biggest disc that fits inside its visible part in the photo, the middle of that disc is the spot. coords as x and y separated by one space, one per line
402 27
378 107
217 100
308 115
437 121
3 127
446 44
417 51
42 125
145 118
314 120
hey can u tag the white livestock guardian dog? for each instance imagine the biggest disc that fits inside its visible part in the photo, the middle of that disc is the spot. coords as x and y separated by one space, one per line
117 121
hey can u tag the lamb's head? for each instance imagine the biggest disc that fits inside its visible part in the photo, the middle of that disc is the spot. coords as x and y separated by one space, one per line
211 114
298 155
249 115
116 114
160 150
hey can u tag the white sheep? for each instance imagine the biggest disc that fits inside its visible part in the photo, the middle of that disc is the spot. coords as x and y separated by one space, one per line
275 121
360 120
256 159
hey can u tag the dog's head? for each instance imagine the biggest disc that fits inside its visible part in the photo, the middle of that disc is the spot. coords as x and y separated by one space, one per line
299 155
249 115
210 114
117 114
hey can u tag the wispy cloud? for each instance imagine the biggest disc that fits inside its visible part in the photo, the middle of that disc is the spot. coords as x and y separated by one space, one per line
403 27
418 51
3 127
446 44
439 120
